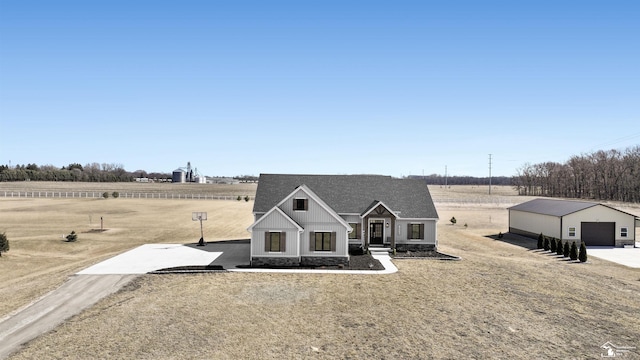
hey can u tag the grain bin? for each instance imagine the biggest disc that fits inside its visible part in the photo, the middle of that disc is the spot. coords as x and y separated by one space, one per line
179 176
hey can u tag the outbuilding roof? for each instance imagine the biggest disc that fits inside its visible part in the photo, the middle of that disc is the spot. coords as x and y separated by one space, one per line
350 194
555 207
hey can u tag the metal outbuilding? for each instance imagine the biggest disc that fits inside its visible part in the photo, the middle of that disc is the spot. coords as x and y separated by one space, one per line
595 224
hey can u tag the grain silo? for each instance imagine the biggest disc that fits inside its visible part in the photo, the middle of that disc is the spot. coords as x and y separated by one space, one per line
200 179
179 176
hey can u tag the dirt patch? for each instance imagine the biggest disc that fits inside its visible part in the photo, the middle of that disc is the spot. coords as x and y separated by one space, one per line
95 231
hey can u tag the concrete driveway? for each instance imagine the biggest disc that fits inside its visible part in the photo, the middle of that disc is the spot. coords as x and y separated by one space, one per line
234 252
625 256
152 257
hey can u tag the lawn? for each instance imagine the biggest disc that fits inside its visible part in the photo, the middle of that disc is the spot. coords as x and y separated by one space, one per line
501 301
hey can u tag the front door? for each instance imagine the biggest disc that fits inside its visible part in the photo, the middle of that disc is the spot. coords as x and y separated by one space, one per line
376 233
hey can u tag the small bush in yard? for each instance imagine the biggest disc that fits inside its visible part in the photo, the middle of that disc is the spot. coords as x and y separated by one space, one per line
546 243
540 241
453 220
72 237
247 198
105 195
552 244
573 253
582 256
4 243
567 249
115 194
559 249
239 198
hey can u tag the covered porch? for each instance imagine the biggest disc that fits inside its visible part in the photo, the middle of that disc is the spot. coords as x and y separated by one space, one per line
379 225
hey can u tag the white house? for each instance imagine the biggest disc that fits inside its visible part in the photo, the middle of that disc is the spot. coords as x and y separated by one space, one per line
316 220
595 224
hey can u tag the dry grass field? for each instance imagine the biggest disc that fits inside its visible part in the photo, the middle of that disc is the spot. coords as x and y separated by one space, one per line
501 301
40 260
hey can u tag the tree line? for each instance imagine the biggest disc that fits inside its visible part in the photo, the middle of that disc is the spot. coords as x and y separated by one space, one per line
93 172
600 175
436 179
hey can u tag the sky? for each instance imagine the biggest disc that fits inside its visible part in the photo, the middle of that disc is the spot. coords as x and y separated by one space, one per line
244 87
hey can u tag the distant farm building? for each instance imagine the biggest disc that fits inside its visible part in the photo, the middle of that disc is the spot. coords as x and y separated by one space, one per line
595 224
188 175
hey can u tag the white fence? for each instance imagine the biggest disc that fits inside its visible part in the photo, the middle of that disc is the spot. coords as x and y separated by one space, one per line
94 194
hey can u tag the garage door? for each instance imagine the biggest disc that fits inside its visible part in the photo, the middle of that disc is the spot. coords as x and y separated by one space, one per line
599 233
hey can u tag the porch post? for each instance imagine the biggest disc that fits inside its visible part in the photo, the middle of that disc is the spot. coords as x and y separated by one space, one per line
393 232
365 227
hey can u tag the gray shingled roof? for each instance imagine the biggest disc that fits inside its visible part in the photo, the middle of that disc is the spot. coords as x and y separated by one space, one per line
553 207
350 194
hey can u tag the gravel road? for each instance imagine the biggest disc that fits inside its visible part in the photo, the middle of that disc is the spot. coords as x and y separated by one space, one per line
78 293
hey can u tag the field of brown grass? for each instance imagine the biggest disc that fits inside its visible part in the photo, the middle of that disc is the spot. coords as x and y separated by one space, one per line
131 187
39 259
501 301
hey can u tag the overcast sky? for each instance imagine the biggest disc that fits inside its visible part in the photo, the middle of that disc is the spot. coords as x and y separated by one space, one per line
327 87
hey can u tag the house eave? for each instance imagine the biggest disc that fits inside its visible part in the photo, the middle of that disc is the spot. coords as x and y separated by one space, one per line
278 210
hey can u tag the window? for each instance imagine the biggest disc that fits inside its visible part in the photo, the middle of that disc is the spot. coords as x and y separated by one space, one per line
300 204
415 231
572 231
323 241
274 241
624 231
355 233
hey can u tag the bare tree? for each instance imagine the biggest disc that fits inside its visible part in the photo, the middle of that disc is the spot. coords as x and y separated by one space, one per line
602 175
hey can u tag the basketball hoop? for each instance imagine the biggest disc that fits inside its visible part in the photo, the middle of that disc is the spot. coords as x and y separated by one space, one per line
199 216
195 216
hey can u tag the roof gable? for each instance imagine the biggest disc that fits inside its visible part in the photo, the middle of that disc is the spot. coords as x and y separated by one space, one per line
304 188
275 211
375 205
350 194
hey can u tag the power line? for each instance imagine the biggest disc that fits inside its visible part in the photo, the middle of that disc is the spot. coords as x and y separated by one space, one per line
617 141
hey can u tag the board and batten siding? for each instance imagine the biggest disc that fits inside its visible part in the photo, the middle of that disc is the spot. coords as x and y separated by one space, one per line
342 241
276 222
429 231
599 214
314 214
534 223
258 238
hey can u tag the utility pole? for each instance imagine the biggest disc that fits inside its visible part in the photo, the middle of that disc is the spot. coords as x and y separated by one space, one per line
489 174
445 176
